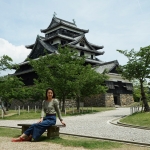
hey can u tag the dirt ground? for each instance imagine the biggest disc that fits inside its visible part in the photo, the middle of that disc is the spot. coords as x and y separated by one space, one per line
6 144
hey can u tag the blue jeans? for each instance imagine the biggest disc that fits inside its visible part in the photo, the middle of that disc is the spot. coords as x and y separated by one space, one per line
37 129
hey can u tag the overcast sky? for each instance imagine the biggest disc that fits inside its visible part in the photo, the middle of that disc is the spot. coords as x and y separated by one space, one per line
115 24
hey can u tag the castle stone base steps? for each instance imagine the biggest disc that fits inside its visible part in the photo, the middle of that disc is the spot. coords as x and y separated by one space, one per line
100 100
107 100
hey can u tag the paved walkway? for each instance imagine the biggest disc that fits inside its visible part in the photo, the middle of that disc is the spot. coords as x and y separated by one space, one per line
97 125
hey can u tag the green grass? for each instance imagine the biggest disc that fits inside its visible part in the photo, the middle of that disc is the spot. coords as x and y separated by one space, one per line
84 142
69 112
140 119
23 115
66 140
134 104
9 132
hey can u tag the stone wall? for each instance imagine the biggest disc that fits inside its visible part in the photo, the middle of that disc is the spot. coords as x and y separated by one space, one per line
126 99
25 104
70 103
15 103
100 100
109 100
95 101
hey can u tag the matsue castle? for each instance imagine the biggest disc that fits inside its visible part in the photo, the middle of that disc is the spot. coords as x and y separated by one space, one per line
67 33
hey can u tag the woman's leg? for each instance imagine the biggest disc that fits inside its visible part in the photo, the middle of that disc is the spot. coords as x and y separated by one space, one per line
36 130
23 137
40 128
26 136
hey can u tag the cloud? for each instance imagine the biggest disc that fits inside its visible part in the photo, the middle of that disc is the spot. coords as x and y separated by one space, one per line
115 24
17 53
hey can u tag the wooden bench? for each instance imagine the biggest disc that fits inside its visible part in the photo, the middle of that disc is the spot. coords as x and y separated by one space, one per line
52 131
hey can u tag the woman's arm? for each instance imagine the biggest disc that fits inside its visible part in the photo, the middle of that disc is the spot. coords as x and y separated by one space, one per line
56 105
41 119
42 112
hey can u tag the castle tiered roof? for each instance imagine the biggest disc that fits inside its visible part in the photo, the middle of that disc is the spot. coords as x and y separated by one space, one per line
66 34
56 22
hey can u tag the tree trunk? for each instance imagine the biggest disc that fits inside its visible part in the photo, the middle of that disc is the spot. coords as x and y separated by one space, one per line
63 105
60 103
78 103
3 110
146 106
6 105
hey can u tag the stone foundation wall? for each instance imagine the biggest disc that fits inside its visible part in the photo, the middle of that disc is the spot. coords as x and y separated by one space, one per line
126 99
95 101
24 105
38 104
109 100
100 100
70 103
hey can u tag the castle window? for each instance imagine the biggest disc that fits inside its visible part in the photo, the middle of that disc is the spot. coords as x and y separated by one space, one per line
129 86
81 53
110 84
65 31
82 44
63 42
91 56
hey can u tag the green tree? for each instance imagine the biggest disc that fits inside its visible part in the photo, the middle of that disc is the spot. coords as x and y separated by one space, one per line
5 63
64 72
10 89
58 71
137 67
137 91
8 84
88 83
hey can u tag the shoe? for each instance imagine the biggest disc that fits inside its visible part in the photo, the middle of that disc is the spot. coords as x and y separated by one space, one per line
20 139
28 139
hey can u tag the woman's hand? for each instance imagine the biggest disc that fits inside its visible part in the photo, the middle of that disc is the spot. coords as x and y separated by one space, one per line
63 123
40 120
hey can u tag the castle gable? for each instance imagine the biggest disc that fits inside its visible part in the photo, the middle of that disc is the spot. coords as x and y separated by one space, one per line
40 48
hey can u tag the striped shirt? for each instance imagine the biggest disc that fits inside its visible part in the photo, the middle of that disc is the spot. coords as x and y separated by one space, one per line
51 107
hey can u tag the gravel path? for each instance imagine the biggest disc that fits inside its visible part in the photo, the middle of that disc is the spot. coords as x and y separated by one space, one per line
6 144
97 125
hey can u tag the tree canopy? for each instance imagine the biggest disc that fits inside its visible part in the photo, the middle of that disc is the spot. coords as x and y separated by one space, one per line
5 62
137 67
67 74
9 85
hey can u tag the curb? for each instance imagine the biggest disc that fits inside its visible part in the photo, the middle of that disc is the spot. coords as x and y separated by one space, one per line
127 125
100 138
109 139
132 126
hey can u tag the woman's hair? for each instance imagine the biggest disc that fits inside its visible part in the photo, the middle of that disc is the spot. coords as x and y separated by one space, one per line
52 91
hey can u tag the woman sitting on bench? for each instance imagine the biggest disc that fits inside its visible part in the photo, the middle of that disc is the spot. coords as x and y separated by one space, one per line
50 107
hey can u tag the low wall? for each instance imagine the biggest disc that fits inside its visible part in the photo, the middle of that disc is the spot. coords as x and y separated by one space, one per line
70 103
100 100
25 104
15 103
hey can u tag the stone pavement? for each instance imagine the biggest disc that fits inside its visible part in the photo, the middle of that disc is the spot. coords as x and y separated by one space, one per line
97 125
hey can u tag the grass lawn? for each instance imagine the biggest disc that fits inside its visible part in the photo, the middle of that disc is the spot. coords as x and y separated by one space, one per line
13 114
65 140
73 141
84 142
140 119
